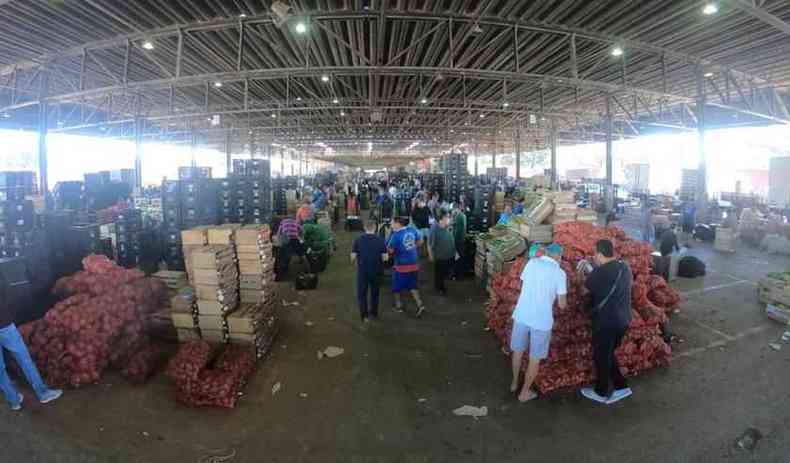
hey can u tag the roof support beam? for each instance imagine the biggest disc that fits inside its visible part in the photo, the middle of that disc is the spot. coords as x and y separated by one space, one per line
748 7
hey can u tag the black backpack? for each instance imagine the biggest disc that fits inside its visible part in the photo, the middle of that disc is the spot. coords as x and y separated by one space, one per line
691 267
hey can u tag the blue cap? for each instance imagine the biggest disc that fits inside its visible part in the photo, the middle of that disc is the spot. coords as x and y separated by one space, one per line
554 249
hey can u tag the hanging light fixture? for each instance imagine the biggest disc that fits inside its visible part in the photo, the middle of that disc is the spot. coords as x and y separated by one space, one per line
617 51
710 9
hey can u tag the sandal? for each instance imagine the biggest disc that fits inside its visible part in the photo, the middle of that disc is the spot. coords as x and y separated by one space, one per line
398 308
420 310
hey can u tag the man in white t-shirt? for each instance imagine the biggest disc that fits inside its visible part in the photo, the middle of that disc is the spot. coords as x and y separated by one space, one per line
543 282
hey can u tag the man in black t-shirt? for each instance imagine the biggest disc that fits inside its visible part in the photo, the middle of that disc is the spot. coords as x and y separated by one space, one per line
610 287
669 241
368 251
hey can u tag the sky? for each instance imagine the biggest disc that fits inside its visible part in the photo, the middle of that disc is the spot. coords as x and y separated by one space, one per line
729 151
71 156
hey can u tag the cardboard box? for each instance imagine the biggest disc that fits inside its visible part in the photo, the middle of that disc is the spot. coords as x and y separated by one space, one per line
214 307
182 319
213 257
187 334
208 277
215 336
223 234
211 322
197 236
215 293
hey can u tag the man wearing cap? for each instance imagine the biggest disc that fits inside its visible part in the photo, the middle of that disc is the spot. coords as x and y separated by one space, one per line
543 282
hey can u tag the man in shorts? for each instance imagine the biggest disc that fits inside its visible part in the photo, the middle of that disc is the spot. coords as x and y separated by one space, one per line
403 245
543 282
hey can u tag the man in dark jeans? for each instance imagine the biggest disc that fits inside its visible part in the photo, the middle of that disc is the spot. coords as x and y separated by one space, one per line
610 286
368 251
441 251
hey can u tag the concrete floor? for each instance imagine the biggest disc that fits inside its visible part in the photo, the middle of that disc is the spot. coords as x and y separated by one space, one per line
390 397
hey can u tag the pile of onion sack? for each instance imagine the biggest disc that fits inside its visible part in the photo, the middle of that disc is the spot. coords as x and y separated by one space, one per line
206 377
570 362
98 323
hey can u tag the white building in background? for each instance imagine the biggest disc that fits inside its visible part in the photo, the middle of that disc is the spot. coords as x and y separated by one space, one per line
637 178
779 181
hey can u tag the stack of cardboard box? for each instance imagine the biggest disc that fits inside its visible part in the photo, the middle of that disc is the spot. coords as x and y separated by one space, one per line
194 238
216 282
256 263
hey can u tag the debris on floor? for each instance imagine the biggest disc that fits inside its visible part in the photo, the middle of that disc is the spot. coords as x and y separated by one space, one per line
331 352
422 400
775 345
303 395
290 304
469 410
276 388
749 439
308 323
786 336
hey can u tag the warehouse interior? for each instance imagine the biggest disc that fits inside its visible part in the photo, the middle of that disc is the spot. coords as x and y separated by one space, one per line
154 148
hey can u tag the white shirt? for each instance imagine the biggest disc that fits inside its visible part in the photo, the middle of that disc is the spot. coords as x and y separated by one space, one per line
542 281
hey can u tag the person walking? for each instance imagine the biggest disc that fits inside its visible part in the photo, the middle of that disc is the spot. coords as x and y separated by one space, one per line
12 341
402 245
542 283
305 211
504 217
441 251
421 218
610 286
459 236
368 251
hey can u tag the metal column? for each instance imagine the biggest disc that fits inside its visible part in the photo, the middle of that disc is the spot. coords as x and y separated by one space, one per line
702 187
282 161
609 173
493 156
43 109
139 127
42 149
228 146
252 144
194 148
477 155
518 152
553 146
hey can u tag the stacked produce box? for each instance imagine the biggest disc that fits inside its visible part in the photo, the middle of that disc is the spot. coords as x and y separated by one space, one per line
280 188
246 197
774 291
483 207
215 279
570 356
192 240
171 224
127 245
457 180
70 195
256 263
725 239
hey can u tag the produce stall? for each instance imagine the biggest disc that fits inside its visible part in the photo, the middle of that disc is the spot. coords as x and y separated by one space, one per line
570 356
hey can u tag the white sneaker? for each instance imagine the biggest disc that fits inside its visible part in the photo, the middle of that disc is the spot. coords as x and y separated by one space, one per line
592 395
50 395
18 406
619 394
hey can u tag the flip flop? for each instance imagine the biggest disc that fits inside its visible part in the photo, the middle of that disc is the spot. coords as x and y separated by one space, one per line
420 310
532 395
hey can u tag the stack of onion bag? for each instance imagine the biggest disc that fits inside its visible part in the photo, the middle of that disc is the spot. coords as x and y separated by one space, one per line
98 324
570 355
216 283
254 324
205 377
256 263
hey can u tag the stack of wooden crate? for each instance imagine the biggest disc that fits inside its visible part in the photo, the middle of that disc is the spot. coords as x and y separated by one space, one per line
255 324
183 312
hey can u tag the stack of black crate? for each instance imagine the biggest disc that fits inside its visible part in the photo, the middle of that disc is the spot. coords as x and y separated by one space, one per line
433 183
21 238
70 195
482 206
246 197
128 227
457 176
171 224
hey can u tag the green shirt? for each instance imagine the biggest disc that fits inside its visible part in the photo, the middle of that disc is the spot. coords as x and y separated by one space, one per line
441 243
316 236
459 229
